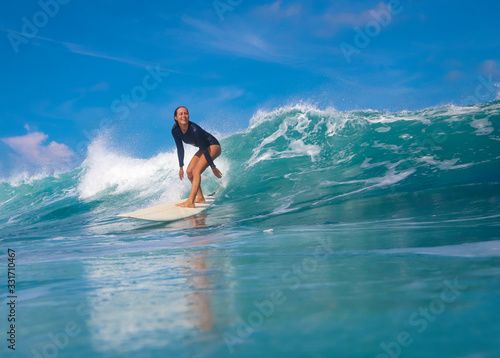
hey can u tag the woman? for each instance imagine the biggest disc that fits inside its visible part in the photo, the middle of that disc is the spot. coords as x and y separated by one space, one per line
191 133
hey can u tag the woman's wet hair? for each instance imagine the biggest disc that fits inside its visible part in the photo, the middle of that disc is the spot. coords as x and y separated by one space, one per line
175 112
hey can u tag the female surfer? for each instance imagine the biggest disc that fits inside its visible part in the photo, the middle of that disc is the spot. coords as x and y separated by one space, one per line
191 133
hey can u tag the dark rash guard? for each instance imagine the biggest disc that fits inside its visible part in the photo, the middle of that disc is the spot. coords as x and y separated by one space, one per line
197 136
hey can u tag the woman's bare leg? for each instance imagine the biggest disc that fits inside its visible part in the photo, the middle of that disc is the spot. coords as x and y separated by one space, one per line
198 168
192 164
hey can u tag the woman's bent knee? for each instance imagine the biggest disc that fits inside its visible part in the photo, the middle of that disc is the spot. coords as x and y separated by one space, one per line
196 172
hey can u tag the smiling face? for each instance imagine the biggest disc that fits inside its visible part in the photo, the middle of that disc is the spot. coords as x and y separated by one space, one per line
182 115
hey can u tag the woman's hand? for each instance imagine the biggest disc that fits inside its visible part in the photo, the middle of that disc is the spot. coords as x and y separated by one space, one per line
181 173
217 172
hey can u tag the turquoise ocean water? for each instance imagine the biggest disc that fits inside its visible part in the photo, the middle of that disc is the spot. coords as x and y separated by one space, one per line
335 234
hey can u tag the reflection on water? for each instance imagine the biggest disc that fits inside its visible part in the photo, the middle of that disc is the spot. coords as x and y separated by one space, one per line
156 299
199 298
192 222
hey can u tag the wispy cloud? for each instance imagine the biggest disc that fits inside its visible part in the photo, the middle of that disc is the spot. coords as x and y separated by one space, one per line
31 148
339 20
490 68
82 50
276 9
454 75
238 41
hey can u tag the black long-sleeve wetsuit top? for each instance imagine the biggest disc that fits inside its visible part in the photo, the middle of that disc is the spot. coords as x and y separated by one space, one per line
197 136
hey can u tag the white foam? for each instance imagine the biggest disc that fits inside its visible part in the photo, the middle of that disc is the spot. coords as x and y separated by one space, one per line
105 170
27 177
263 116
392 147
366 163
296 147
391 177
6 201
483 126
336 120
444 164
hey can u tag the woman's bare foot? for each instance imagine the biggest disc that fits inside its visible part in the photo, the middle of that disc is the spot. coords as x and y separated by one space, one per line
185 204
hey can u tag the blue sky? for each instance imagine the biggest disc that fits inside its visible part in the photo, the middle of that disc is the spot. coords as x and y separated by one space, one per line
71 68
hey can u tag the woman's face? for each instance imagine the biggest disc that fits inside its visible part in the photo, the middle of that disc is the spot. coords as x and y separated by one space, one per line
182 115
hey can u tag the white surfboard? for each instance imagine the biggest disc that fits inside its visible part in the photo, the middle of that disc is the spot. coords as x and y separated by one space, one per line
169 212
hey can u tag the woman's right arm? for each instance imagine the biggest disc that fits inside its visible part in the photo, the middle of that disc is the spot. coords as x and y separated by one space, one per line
180 153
